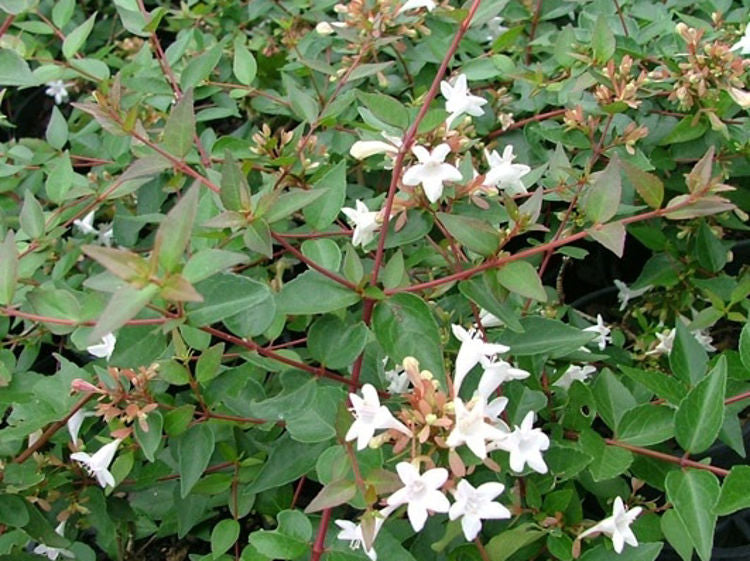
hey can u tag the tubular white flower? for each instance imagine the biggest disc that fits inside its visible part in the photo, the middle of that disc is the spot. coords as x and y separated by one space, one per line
398 380
503 173
474 505
740 97
75 422
370 416
58 90
472 350
617 526
497 372
431 171
489 320
744 43
416 4
458 100
365 148
104 348
525 445
324 28
602 331
54 552
573 373
666 342
86 224
471 428
365 223
98 464
625 294
420 492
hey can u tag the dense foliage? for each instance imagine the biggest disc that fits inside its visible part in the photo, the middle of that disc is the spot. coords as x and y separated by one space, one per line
291 279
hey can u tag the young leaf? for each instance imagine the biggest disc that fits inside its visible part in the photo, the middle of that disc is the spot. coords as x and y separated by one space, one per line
602 198
57 129
701 414
602 40
334 494
32 216
648 185
173 235
612 236
257 237
700 176
235 192
180 128
125 264
123 306
522 278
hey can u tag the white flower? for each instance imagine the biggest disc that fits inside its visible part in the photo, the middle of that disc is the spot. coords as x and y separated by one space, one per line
98 464
57 89
365 148
624 294
420 492
617 526
471 428
398 380
744 43
573 373
353 532
416 4
472 350
475 505
75 422
705 340
365 223
495 28
489 320
431 171
370 416
86 226
497 372
525 445
603 332
503 173
324 28
666 342
458 100
740 97
54 552
104 348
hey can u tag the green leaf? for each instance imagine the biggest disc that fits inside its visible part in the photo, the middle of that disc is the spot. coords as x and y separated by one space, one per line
62 11
209 364
565 461
288 541
123 306
646 424
644 552
32 216
334 494
480 291
244 65
257 237
313 293
688 359
315 423
701 414
173 235
304 106
602 40
59 179
13 511
334 343
180 127
200 68
323 252
288 460
612 236
194 450
150 440
56 303
612 398
648 185
734 495
694 493
124 264
689 128
291 202
608 461
322 212
8 268
208 262
744 347
476 235
14 71
385 108
57 129
228 295
224 535
545 336
235 192
677 535
506 543
709 250
664 386
521 277
602 198
404 326
76 38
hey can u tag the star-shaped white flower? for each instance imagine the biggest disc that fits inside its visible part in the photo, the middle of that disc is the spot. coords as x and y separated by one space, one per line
617 526
666 342
497 372
75 422
472 350
525 445
503 173
54 552
705 340
58 90
471 428
398 380
353 532
744 43
365 223
474 505
573 373
602 332
431 171
625 294
86 227
98 464
458 100
420 493
104 348
370 416
416 4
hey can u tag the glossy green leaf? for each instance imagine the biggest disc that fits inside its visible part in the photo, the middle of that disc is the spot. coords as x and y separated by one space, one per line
77 38
648 185
224 535
545 336
194 450
149 440
227 295
522 278
646 424
474 234
602 198
180 127
244 65
200 68
8 268
688 359
57 130
694 493
235 192
335 343
322 212
701 413
32 216
294 298
602 40
734 495
173 235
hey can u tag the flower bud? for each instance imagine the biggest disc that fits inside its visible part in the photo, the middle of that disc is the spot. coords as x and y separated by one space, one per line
324 28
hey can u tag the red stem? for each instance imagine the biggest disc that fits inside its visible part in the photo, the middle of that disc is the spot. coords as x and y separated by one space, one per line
313 265
523 122
667 458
